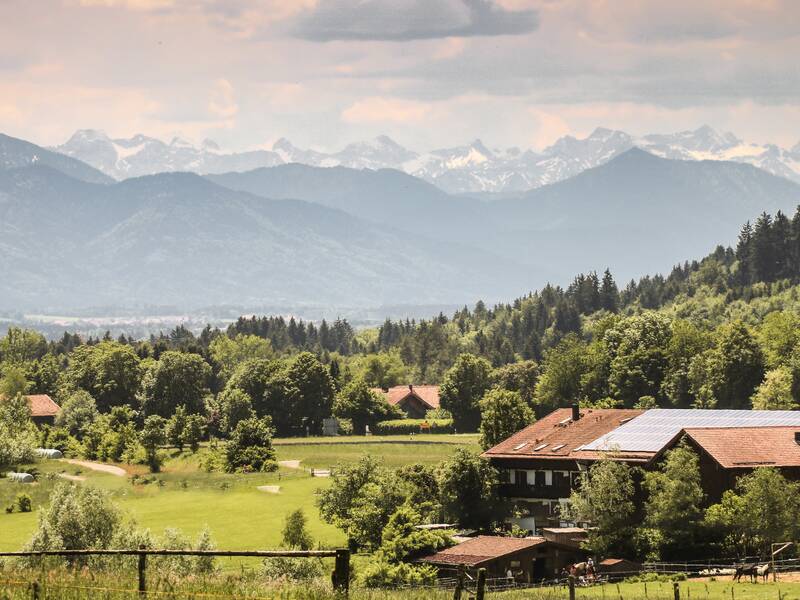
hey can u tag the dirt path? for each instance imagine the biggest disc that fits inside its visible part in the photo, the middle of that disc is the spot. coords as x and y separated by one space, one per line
110 469
72 477
270 489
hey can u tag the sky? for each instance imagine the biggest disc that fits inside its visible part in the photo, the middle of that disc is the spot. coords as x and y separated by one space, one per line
428 73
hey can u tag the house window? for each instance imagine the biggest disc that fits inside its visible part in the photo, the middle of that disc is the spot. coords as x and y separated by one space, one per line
540 478
521 478
548 478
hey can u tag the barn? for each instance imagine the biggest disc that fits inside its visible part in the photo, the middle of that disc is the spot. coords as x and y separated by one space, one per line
414 400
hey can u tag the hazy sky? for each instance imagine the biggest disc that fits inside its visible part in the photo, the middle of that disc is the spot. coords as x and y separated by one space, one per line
429 73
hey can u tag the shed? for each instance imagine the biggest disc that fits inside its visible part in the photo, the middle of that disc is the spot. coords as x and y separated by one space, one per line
619 567
529 559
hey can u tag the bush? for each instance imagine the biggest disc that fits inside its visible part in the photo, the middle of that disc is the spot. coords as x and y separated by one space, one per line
382 574
292 569
24 503
250 447
407 426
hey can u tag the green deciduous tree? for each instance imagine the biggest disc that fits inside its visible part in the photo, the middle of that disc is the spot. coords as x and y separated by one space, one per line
675 501
309 391
234 405
152 437
110 371
503 413
228 353
462 388
775 392
605 500
764 509
250 447
468 491
77 518
295 531
362 406
176 379
562 371
77 414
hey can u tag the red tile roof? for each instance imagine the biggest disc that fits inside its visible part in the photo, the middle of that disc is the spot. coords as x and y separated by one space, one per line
481 549
747 447
558 437
428 394
42 405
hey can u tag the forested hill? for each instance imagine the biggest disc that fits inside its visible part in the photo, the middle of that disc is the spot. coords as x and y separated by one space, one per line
707 334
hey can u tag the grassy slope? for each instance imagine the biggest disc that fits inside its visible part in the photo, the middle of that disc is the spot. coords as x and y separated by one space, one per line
239 515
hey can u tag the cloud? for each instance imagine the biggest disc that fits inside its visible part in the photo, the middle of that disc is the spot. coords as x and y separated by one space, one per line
403 20
378 109
223 100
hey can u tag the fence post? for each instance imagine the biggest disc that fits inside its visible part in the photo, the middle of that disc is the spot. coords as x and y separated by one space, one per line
142 573
571 587
341 575
480 592
676 590
35 590
459 583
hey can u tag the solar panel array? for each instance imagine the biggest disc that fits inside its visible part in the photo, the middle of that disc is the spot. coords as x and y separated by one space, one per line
653 429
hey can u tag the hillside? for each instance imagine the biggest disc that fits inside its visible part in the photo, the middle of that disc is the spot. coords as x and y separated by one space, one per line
639 213
179 239
19 153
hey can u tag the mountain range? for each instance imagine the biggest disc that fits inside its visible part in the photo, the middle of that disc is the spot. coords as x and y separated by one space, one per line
298 235
472 168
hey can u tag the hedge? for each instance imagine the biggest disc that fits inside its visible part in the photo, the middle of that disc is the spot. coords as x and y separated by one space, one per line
403 426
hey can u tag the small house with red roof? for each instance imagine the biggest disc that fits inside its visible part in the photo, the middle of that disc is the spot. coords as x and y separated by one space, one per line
414 400
528 559
43 409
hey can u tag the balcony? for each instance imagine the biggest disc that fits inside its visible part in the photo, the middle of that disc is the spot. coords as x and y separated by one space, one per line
547 492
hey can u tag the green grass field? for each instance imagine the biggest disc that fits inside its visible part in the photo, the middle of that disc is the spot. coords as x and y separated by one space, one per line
239 515
62 585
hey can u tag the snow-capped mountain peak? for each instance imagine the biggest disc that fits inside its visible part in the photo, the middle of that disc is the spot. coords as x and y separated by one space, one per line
473 167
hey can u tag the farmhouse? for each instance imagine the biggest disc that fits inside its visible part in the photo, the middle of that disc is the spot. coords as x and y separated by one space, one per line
541 464
414 400
528 559
43 409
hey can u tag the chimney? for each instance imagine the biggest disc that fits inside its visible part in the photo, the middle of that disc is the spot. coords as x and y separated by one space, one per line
410 387
576 412
797 437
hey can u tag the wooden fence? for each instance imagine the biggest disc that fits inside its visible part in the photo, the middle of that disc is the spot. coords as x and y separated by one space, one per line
340 577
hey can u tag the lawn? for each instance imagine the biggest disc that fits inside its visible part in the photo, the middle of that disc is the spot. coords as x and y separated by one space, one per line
394 451
238 515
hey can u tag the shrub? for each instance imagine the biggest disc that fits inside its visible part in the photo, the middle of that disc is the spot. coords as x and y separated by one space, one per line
24 503
407 426
293 569
383 574
250 447
295 532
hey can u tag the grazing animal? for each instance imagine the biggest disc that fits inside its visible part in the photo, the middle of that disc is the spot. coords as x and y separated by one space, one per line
581 571
750 570
763 571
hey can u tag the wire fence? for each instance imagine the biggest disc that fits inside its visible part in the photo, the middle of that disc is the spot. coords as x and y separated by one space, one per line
31 561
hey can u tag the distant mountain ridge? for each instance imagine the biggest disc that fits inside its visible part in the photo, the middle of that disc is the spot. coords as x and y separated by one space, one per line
472 168
298 235
178 239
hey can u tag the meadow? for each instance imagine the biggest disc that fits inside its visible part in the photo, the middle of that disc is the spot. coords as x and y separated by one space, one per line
239 515
59 584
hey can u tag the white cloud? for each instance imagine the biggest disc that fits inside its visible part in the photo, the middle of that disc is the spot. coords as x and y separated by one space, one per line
379 109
